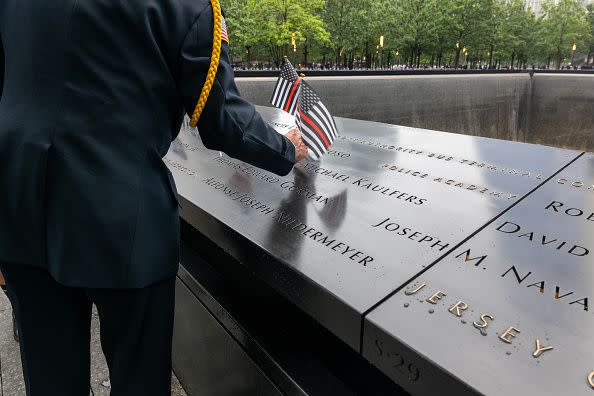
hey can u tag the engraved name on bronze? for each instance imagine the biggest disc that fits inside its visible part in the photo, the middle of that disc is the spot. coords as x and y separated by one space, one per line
339 154
246 169
446 158
542 240
280 125
530 280
449 182
314 168
561 208
302 190
388 191
363 183
288 221
576 184
409 233
460 308
237 195
180 167
508 334
468 258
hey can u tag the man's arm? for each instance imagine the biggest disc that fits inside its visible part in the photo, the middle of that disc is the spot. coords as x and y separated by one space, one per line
229 123
1 66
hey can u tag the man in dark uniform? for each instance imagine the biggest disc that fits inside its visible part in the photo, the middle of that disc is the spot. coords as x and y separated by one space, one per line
94 91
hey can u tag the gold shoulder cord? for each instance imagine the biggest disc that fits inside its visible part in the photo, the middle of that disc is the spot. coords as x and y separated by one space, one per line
214 62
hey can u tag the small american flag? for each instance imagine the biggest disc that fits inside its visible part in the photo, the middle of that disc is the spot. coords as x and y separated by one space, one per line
317 125
288 86
224 32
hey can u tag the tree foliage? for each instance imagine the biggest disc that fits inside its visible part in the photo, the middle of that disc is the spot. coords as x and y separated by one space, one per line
279 26
563 24
347 33
590 35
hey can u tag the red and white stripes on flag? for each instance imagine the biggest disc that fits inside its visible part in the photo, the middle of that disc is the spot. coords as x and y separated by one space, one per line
288 86
317 125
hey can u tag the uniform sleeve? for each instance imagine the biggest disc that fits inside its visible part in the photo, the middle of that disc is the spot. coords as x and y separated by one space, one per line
1 66
229 123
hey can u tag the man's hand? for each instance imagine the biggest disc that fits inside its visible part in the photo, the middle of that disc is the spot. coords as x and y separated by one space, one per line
294 136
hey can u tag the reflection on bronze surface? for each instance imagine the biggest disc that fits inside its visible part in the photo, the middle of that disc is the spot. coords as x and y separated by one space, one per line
591 379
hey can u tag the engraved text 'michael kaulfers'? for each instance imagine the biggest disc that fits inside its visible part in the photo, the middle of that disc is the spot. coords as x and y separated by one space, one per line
363 183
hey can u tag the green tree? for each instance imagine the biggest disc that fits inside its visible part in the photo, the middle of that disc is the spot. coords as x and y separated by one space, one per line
517 31
285 24
366 21
278 26
423 31
244 34
563 24
344 25
590 36
417 26
468 22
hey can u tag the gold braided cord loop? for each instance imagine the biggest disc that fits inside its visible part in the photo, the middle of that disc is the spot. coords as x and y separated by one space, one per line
214 62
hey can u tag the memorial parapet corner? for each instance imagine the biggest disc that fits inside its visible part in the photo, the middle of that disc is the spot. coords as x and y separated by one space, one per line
509 311
338 236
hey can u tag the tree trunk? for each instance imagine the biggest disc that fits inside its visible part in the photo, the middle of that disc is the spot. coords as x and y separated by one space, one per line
558 58
513 58
491 56
305 53
457 58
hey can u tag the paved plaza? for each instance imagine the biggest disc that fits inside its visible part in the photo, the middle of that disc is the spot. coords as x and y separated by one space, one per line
11 376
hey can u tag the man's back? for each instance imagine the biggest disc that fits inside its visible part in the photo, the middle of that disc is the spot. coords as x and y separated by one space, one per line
94 92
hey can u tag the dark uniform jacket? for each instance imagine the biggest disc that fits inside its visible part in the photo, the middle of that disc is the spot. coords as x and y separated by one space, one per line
94 91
